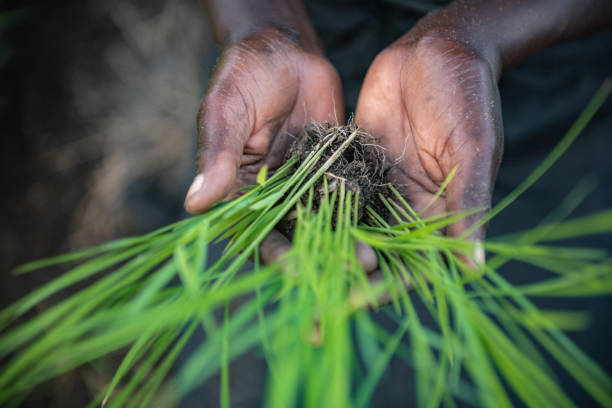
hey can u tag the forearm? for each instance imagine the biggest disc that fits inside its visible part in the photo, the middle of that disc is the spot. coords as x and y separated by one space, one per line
234 20
505 32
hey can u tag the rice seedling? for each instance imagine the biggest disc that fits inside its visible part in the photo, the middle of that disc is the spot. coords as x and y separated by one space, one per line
308 312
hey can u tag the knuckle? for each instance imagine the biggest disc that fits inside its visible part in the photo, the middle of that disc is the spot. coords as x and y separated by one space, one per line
391 56
224 103
269 44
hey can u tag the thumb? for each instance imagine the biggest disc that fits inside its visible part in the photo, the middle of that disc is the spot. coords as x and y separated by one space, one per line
471 189
213 182
222 133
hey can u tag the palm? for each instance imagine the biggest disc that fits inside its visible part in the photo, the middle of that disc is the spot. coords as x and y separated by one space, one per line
262 93
434 107
282 102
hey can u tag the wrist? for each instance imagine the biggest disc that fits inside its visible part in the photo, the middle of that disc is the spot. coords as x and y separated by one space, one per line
505 32
233 21
467 37
440 38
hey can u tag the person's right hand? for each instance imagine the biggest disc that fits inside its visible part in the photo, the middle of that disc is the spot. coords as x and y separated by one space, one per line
263 91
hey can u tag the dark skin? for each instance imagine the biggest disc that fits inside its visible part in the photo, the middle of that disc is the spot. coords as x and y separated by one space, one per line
270 80
430 98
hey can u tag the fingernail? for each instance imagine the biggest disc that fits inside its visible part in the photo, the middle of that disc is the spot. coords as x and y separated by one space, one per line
479 253
195 185
367 256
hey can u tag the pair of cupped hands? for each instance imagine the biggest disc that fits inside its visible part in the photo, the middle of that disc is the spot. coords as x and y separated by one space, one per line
430 100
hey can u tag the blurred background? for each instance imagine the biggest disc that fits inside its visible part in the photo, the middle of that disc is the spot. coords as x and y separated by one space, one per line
98 103
98 110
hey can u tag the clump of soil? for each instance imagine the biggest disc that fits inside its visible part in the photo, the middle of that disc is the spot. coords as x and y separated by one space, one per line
361 166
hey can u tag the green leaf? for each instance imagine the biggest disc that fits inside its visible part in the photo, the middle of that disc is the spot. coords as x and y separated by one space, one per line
187 273
368 385
262 174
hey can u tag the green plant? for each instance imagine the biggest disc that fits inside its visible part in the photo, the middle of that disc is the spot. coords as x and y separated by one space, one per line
308 311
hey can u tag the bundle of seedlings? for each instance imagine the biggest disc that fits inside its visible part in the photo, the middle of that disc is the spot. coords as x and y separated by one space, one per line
470 336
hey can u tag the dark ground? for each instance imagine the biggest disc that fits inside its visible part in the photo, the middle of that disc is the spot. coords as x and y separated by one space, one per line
97 106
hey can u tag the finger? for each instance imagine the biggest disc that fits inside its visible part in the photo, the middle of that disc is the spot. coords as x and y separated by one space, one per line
273 247
471 189
378 104
322 86
223 128
367 256
478 152
468 192
360 298
316 336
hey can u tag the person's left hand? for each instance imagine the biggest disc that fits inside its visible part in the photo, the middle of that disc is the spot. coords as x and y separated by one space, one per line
433 104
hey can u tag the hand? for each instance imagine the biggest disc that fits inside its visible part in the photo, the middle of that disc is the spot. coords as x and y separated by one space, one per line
263 91
432 102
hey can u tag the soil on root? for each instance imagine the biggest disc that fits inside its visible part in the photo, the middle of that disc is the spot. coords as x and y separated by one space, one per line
360 167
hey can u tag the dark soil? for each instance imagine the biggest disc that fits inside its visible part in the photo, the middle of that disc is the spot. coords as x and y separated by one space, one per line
361 167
